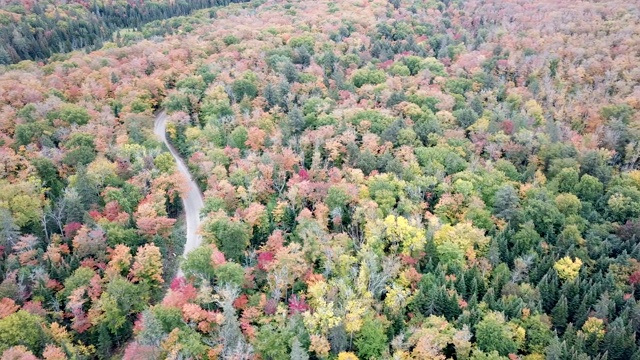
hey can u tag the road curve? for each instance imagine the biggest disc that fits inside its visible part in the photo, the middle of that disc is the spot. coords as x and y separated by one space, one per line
192 202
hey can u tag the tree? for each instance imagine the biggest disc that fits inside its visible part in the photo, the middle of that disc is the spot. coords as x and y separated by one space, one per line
506 202
147 266
463 238
233 341
73 114
589 188
244 87
198 263
9 231
364 76
231 273
49 174
493 333
297 351
560 314
231 237
371 341
465 117
568 269
273 342
22 328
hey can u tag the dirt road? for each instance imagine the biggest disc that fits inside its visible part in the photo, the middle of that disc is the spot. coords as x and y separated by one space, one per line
192 202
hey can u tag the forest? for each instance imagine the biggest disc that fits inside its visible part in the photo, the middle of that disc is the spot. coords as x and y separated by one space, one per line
382 179
38 29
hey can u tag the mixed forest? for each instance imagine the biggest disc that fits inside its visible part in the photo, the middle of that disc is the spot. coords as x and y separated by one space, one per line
38 29
382 179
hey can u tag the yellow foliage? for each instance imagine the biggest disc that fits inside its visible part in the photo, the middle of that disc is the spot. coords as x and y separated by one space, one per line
534 357
399 231
353 318
397 297
320 345
464 236
595 327
535 111
193 133
347 356
568 269
322 319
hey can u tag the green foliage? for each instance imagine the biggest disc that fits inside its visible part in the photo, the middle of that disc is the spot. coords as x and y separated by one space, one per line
232 273
231 237
244 87
493 333
80 277
72 114
368 77
49 174
238 137
198 263
372 341
230 40
379 122
620 112
274 342
465 117
22 328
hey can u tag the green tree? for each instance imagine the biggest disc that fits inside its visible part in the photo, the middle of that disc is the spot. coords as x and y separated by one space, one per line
73 114
231 237
538 333
230 272
372 340
493 333
368 77
273 342
22 328
198 263
238 137
589 188
165 163
48 172
244 87
560 314
506 202
465 117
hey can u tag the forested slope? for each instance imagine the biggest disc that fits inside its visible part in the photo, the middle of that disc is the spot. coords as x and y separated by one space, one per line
382 180
35 30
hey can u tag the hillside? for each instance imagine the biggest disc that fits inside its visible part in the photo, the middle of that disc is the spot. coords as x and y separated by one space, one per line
398 179
36 30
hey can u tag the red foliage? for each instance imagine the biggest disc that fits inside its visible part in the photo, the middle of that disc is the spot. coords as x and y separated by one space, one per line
297 305
271 306
241 302
217 258
35 308
136 351
71 228
7 307
507 127
304 175
264 259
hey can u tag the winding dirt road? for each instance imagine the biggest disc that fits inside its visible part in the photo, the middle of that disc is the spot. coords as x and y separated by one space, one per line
192 202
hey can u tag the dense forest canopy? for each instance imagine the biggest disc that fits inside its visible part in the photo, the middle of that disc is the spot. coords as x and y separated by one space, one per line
400 179
38 29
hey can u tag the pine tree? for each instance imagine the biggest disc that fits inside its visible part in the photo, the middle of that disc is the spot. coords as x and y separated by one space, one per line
560 314
297 351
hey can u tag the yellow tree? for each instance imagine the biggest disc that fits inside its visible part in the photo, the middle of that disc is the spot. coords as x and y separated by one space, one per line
147 266
462 240
568 269
397 233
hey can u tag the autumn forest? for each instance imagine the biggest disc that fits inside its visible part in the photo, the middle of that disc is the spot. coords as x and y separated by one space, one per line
375 179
